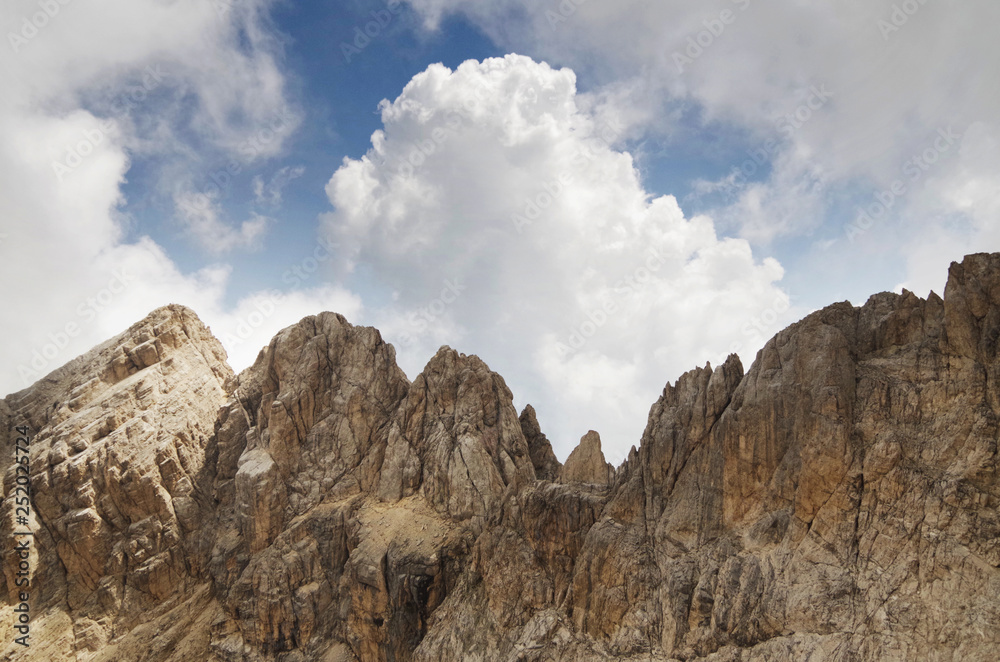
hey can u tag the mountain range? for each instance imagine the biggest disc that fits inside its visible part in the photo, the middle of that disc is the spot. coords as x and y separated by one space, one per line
837 501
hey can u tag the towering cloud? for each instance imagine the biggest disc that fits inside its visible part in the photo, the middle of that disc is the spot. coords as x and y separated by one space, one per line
499 211
897 72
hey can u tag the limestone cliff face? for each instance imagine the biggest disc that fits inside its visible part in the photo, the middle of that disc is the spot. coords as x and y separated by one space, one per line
119 450
838 502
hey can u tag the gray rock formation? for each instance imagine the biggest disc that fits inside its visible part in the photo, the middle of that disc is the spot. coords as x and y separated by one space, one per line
837 502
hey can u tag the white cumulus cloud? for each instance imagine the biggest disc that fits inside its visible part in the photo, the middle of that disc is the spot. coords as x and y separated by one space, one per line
499 211
894 73
88 87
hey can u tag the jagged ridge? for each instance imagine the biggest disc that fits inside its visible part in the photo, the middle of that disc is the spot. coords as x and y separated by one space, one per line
836 502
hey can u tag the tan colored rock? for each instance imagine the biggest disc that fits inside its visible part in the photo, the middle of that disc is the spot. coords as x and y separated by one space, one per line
544 461
837 502
456 440
118 446
348 499
586 464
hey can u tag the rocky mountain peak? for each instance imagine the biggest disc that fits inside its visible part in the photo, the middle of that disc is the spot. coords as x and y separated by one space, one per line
543 459
586 463
838 501
972 307
119 443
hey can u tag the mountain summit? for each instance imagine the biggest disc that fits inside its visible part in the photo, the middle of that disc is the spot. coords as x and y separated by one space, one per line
837 502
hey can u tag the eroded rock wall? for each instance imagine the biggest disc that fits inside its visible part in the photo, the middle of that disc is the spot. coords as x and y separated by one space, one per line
839 501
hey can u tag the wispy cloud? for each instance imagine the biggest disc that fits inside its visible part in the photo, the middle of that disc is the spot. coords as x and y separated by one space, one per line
269 193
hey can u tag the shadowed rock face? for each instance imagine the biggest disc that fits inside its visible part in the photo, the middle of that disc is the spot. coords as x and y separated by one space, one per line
544 461
839 501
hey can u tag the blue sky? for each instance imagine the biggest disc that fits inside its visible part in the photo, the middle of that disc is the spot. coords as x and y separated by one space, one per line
338 91
594 197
